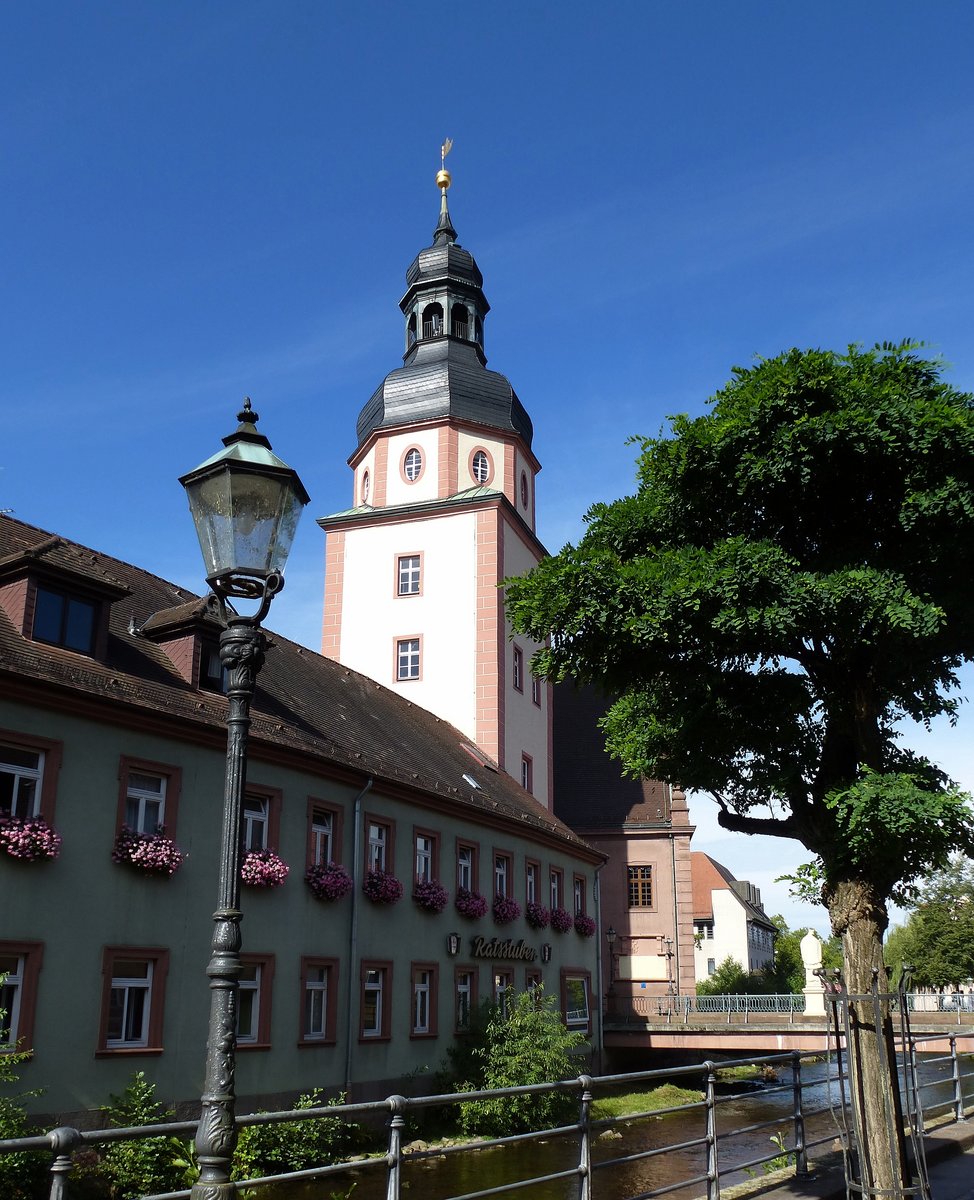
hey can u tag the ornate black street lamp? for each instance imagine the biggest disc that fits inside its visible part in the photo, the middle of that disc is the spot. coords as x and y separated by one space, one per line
246 503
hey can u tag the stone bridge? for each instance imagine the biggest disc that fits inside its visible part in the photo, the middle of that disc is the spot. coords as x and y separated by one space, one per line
745 1034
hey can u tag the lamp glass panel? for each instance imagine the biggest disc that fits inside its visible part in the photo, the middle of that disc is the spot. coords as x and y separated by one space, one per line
244 521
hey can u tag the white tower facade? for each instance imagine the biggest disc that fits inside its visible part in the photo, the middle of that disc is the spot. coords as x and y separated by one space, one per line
443 510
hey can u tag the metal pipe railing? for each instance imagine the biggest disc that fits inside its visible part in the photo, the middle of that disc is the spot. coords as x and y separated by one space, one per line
713 1144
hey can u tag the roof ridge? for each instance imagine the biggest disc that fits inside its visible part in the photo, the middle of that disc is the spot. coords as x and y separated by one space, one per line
53 540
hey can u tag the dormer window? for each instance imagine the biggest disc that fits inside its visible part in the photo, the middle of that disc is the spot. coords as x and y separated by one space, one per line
61 619
59 594
213 674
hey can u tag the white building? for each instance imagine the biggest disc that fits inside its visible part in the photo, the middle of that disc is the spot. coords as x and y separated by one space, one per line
729 920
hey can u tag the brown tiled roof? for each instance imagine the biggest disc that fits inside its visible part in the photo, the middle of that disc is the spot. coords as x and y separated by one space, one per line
707 876
56 554
590 790
305 704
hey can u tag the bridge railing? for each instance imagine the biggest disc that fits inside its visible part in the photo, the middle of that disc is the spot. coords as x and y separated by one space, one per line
713 1148
734 1009
683 1008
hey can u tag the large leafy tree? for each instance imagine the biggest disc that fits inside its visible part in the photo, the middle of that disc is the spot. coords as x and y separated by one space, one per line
792 577
938 938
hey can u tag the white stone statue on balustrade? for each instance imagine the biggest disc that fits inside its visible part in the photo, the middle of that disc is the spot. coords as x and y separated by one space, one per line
814 989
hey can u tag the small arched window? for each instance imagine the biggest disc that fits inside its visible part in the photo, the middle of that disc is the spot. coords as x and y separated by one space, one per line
459 321
412 464
480 467
433 321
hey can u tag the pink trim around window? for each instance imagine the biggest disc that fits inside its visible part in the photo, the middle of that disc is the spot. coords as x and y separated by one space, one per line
490 466
408 637
275 802
397 559
159 957
52 765
567 973
390 827
434 992
337 815
463 844
385 1017
265 992
517 669
527 773
331 965
173 777
419 831
422 464
33 956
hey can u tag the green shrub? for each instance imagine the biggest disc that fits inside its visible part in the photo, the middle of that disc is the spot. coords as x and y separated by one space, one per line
528 1045
150 1164
295 1145
22 1174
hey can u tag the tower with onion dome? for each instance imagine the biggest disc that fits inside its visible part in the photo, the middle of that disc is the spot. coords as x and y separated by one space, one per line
443 509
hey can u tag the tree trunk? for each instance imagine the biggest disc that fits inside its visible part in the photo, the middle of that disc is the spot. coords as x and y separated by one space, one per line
859 917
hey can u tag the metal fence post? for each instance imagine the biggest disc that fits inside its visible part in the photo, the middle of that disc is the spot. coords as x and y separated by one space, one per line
801 1158
63 1142
585 1140
956 1081
710 1110
394 1159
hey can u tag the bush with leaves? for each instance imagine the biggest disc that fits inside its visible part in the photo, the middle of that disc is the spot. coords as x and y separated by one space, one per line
530 1044
296 1145
150 1164
22 1175
730 979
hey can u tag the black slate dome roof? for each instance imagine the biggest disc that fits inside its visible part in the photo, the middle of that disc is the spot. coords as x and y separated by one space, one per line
445 378
446 260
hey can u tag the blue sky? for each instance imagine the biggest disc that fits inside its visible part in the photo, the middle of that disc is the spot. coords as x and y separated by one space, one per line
203 201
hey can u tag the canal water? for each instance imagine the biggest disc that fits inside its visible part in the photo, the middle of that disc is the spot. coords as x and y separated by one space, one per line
473 1170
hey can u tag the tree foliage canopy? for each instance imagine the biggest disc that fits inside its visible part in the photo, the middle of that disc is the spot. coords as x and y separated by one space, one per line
791 578
938 938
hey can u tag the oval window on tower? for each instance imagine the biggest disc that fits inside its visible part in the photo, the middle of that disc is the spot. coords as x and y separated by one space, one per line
480 467
524 489
412 464
366 485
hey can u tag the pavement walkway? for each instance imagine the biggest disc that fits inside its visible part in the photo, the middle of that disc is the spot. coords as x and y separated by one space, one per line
950 1162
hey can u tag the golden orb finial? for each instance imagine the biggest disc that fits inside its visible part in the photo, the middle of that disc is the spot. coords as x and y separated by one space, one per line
443 177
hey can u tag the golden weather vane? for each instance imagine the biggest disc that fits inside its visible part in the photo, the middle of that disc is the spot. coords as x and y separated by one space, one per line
443 179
